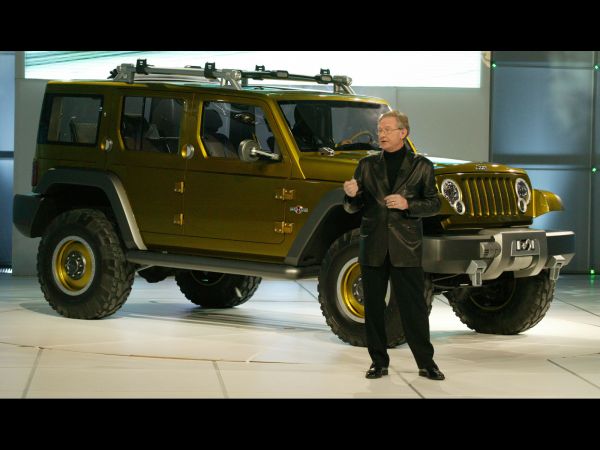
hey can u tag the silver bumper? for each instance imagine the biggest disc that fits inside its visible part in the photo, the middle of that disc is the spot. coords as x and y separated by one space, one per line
489 253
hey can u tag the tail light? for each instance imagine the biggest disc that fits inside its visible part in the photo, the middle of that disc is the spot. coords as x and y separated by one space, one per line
34 173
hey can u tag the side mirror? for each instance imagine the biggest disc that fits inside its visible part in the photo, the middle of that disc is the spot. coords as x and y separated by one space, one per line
245 150
249 150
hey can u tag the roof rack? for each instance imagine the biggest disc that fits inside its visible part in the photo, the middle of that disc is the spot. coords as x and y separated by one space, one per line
233 78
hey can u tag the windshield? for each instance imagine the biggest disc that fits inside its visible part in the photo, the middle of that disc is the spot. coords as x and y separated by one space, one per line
340 125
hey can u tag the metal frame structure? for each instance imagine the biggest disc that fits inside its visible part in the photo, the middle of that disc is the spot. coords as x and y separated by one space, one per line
233 78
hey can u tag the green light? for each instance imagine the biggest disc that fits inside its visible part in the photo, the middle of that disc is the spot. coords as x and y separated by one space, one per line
596 67
594 170
592 272
493 65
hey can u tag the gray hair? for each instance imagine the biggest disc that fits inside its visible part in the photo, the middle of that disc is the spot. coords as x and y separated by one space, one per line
401 119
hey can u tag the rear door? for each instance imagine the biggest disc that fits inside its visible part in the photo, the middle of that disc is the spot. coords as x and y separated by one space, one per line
147 159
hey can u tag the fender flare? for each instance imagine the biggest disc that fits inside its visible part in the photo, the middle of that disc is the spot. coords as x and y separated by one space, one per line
112 187
333 199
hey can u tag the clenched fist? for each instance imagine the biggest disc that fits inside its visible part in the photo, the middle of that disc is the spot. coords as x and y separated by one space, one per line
351 187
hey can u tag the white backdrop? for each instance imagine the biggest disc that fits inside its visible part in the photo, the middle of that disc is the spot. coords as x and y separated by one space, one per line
378 68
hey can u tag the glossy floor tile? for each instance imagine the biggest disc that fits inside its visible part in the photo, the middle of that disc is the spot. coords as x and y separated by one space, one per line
277 345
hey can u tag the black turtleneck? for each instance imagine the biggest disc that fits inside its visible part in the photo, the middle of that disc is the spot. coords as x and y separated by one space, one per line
393 161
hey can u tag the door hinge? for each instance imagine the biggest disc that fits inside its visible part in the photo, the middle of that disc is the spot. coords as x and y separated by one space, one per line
179 187
285 194
178 219
284 227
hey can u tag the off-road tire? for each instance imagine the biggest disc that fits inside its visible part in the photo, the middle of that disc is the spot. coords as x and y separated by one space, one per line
155 274
506 305
87 236
343 311
216 290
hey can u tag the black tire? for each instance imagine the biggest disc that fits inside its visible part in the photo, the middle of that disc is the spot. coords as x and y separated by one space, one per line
216 290
506 305
340 295
81 265
155 274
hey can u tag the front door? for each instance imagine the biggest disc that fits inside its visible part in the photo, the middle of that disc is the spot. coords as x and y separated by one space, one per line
227 198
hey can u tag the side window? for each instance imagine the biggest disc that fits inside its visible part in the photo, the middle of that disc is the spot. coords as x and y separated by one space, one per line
225 125
151 124
70 119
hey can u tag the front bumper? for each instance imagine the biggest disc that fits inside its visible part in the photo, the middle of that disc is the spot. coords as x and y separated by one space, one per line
489 253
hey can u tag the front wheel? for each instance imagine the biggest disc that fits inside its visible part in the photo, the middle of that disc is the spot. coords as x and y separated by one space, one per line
506 305
341 295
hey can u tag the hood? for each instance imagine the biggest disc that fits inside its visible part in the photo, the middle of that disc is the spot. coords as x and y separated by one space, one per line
444 166
341 166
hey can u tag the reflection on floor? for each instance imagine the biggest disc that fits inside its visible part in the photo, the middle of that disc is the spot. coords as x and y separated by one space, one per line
278 345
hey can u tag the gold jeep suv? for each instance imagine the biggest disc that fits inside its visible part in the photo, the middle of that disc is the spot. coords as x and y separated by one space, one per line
218 179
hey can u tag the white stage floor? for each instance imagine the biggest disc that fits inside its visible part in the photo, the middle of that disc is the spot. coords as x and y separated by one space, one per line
277 345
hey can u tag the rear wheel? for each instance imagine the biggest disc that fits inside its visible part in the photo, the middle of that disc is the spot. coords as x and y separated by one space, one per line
155 274
81 265
216 290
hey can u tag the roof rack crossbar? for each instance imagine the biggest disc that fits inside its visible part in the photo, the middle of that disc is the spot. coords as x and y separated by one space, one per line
228 77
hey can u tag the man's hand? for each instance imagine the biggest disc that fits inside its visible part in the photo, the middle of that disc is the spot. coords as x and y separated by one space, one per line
351 188
396 201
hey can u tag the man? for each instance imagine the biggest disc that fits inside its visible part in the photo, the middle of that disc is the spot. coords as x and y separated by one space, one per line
394 189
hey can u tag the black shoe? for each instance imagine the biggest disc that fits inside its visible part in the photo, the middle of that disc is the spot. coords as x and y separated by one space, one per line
376 372
433 373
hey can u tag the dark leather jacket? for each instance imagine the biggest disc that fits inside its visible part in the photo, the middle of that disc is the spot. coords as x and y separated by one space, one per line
382 229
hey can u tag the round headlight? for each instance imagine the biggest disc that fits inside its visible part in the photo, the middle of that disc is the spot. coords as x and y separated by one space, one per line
451 192
523 194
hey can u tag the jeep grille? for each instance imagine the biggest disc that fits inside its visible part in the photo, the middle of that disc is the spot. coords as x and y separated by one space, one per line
486 196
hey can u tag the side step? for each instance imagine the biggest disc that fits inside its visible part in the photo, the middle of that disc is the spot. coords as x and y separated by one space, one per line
235 267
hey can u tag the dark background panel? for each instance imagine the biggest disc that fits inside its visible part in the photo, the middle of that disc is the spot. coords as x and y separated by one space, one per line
545 59
573 187
541 113
544 118
6 191
595 162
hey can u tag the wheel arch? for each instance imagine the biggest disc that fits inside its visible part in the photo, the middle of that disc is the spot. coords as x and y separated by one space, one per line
94 189
327 222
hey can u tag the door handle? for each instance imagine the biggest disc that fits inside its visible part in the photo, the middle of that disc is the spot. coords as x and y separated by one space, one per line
106 145
187 151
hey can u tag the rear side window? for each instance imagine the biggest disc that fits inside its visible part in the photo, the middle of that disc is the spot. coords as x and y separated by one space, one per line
70 119
151 124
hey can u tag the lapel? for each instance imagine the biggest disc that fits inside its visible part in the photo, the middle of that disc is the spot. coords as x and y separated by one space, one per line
405 169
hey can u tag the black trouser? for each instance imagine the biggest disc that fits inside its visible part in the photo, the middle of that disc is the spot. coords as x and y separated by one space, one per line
408 285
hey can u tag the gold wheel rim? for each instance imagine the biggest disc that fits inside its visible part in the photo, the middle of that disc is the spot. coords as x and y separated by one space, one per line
73 265
350 294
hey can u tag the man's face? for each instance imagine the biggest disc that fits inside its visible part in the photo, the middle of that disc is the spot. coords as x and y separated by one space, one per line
390 137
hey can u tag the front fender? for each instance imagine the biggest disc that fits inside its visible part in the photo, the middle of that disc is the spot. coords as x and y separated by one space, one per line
545 202
334 199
